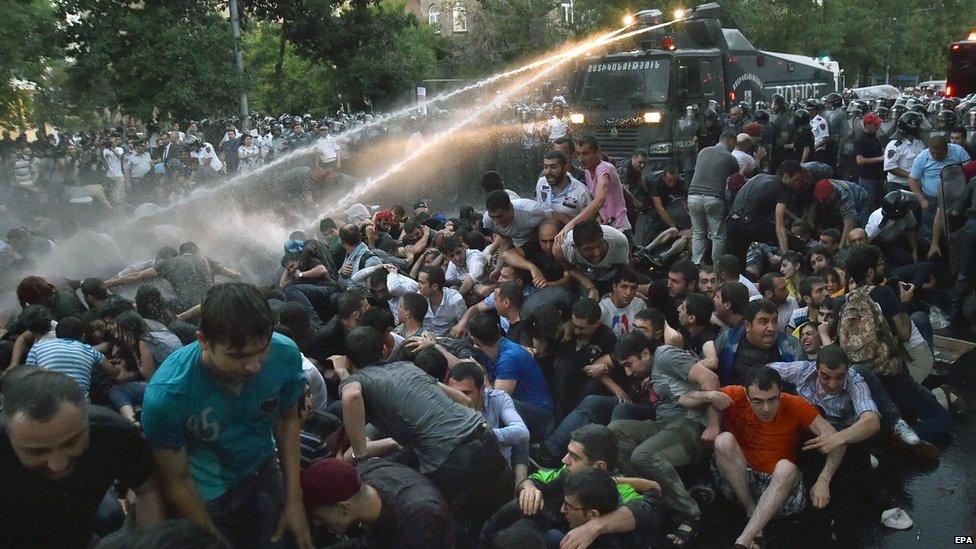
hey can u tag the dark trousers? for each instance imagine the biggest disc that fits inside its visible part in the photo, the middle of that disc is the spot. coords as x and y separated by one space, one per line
247 514
572 384
967 266
538 419
743 232
316 300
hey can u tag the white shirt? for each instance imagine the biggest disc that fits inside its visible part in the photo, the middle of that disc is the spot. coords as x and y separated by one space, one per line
397 285
528 215
207 151
113 161
474 266
818 125
786 312
745 159
138 164
753 290
621 321
570 201
328 149
892 230
618 253
448 314
557 128
901 153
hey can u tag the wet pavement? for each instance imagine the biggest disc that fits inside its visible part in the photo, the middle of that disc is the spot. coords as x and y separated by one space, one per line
941 501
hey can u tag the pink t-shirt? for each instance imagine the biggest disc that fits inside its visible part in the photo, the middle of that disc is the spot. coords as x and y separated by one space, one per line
614 210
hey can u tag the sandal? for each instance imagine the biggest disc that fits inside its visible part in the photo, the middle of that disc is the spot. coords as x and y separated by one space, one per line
682 537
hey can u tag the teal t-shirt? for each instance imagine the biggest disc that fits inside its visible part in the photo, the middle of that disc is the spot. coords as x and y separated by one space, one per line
227 436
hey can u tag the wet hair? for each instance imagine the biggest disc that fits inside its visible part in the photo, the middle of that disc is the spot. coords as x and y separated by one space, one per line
492 181
595 490
34 290
94 287
484 327
349 303
727 137
189 248
860 260
410 226
511 291
416 305
701 306
728 266
833 357
235 314
166 252
820 250
468 369
378 317
519 536
587 309
498 200
640 153
557 156
806 285
431 360
586 232
626 273
632 344
686 269
599 443
131 323
36 318
789 168
181 533
38 393
150 304
327 224
435 276
568 141
831 233
757 306
764 378
363 346
766 281
589 141
735 294
450 244
378 278
114 308
350 236
652 315
546 321
293 316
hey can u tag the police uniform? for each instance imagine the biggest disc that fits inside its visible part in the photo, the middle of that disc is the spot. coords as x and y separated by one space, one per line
900 153
821 139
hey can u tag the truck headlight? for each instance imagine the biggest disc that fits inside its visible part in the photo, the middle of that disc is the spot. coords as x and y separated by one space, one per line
653 117
577 118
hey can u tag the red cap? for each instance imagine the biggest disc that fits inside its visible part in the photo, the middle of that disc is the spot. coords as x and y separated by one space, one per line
824 190
384 214
970 169
754 129
328 482
873 118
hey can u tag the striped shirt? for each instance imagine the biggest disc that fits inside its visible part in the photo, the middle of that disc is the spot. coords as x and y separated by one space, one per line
68 356
842 409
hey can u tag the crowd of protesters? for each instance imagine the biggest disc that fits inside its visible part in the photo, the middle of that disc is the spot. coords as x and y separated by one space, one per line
593 365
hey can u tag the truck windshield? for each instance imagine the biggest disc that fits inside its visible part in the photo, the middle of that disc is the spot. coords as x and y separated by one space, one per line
626 83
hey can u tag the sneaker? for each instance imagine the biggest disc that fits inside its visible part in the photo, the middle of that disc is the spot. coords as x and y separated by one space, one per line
906 433
874 461
897 519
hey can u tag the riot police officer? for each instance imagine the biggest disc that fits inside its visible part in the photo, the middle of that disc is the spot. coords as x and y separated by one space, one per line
900 152
781 126
836 118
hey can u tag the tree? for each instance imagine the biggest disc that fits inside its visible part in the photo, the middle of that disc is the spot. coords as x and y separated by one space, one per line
172 58
27 34
296 85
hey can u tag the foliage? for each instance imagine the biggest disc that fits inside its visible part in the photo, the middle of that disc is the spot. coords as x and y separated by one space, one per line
171 59
27 33
307 86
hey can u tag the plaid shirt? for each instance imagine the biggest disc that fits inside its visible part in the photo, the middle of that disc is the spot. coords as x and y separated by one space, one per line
842 409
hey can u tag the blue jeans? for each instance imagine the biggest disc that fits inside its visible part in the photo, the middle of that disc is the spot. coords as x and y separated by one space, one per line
933 420
924 324
247 513
872 186
537 419
592 409
127 394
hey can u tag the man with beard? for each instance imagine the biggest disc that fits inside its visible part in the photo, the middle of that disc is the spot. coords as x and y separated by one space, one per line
559 190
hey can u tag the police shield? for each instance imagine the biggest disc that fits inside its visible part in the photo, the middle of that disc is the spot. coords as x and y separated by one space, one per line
953 185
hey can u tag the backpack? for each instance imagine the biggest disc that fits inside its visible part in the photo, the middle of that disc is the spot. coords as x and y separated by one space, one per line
865 335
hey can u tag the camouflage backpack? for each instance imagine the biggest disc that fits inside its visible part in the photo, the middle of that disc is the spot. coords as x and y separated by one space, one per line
865 335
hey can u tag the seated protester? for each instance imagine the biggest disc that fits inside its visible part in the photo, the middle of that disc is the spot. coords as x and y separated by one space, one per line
492 181
34 290
843 399
617 310
830 240
565 195
729 269
306 281
411 313
592 253
794 268
539 497
810 338
395 506
512 369
813 291
840 205
539 262
665 295
773 288
94 293
454 447
465 269
894 228
145 351
358 257
330 339
67 354
58 459
445 305
499 411
730 302
381 320
695 315
707 280
823 260
34 324
757 342
588 496
506 300
516 219
582 360
386 284
668 196
651 323
756 457
834 281
873 326
654 449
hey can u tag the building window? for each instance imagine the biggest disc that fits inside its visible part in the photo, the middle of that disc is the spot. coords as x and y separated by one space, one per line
567 10
460 15
434 17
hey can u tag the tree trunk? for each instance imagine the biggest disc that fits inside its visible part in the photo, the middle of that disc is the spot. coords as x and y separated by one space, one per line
279 71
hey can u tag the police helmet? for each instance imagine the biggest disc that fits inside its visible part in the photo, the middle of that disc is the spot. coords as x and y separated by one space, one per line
897 110
778 100
945 119
710 115
883 112
815 104
910 123
895 205
919 108
833 100
859 107
801 117
761 105
692 109
761 116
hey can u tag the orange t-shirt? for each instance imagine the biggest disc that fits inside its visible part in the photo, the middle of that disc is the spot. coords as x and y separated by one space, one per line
765 443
